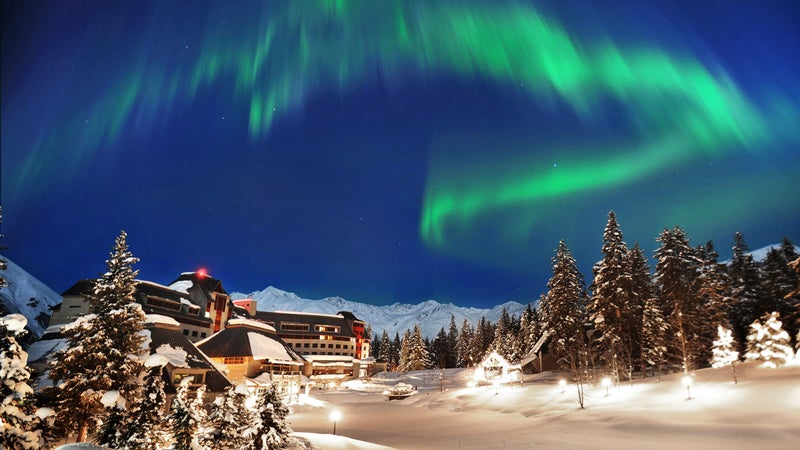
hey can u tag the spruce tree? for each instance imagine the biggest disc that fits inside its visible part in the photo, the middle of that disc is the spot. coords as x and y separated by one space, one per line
644 311
145 428
609 306
229 421
743 277
417 357
183 420
655 330
464 345
724 351
562 311
17 419
405 352
778 281
104 349
676 274
385 352
396 347
713 308
270 429
440 349
768 342
452 343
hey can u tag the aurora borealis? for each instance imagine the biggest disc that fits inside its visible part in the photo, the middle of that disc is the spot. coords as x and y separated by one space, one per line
391 150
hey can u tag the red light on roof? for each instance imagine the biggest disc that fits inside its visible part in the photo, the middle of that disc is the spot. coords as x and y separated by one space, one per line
202 273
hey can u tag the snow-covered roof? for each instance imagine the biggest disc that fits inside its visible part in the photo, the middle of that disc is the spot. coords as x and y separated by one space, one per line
265 348
182 285
303 313
250 323
161 319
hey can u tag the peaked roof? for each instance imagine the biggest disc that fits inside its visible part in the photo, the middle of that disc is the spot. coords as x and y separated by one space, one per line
177 343
81 287
205 281
242 340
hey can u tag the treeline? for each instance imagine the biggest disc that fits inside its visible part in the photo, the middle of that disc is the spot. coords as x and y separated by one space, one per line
631 318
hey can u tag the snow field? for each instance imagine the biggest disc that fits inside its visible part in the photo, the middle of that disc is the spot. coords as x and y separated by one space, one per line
761 411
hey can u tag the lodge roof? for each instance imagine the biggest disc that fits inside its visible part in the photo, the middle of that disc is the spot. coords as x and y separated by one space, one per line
242 340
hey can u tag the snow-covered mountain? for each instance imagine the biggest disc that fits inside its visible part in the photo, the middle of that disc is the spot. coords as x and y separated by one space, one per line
28 296
430 315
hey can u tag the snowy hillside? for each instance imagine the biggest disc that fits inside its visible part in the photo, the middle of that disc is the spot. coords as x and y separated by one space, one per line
396 318
760 254
28 296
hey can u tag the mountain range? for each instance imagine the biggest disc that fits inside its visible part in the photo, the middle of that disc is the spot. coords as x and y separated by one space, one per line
396 318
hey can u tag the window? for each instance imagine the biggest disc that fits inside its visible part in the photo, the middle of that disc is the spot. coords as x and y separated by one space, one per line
203 334
305 345
326 328
313 345
185 332
233 360
194 333
338 345
330 345
294 326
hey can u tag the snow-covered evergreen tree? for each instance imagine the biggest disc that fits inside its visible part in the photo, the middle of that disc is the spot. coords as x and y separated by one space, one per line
710 288
184 420
104 350
609 307
416 352
464 344
270 429
655 329
396 347
562 310
385 352
724 352
769 342
676 274
440 349
145 428
229 420
17 417
452 342
778 280
743 277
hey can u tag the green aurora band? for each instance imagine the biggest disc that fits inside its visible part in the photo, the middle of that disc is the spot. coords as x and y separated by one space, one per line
283 53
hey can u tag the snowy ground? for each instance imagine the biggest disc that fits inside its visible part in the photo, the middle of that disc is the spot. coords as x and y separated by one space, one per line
762 411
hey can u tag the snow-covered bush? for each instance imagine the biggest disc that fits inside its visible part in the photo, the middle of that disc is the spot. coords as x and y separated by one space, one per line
768 342
16 409
723 351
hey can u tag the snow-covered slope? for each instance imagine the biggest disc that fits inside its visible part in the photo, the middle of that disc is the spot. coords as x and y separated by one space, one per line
28 296
396 318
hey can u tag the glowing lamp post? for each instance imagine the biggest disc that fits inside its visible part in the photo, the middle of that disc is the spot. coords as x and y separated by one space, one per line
563 384
335 416
606 382
687 381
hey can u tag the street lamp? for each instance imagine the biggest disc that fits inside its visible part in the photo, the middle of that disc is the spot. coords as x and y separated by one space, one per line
563 384
335 416
687 381
606 382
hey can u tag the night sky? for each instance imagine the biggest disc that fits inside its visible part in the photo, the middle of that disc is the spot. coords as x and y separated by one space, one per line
391 150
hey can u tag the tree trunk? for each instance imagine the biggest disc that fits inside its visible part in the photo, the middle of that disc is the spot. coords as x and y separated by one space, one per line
83 431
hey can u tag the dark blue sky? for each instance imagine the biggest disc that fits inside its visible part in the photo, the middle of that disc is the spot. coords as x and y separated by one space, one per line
395 153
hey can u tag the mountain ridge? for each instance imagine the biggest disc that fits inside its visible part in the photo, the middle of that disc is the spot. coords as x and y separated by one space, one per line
431 315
